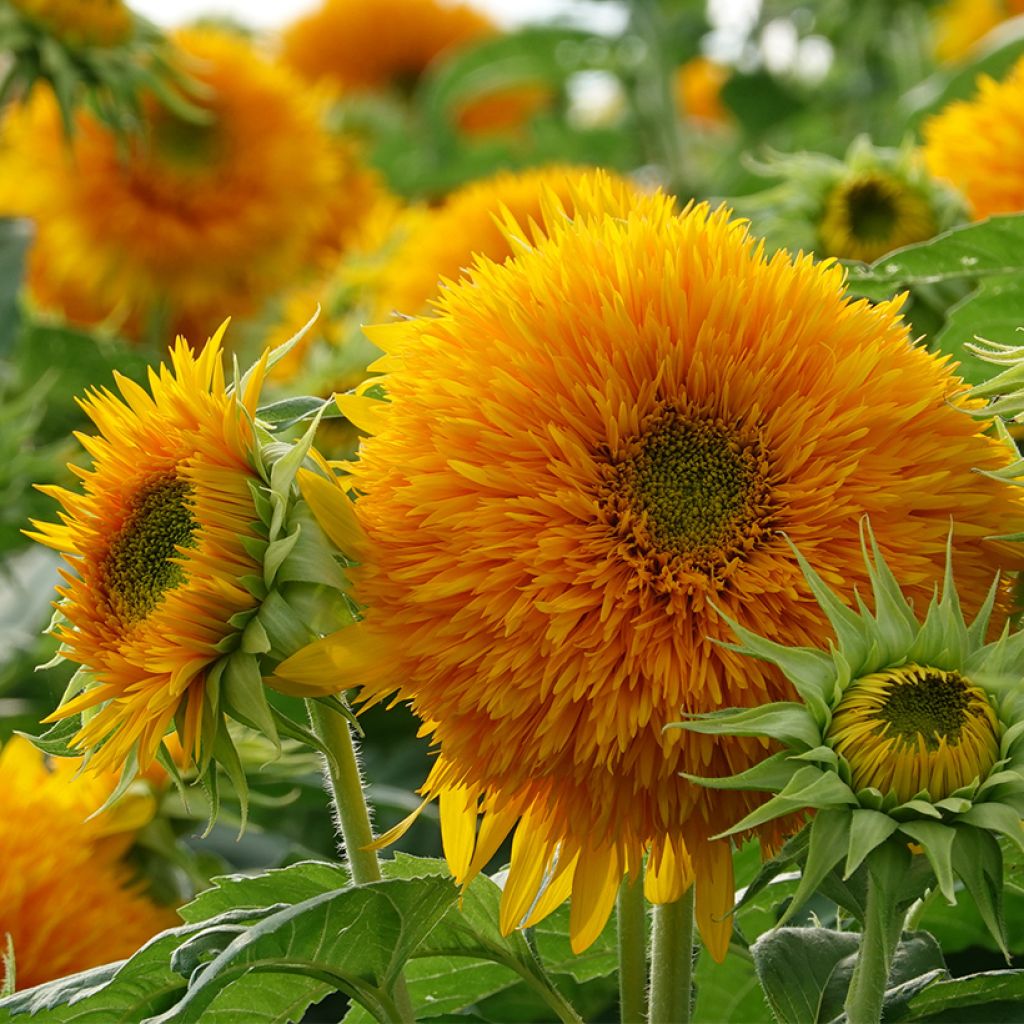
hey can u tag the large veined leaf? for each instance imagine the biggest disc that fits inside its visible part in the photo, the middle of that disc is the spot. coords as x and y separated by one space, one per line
120 993
805 972
355 939
990 248
976 999
292 884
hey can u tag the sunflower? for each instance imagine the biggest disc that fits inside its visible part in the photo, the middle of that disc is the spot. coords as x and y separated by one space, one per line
188 222
80 22
698 87
431 248
67 897
341 44
188 576
907 729
960 24
978 145
870 213
587 453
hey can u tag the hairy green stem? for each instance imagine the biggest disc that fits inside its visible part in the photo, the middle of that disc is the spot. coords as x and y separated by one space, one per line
632 921
349 798
672 962
882 928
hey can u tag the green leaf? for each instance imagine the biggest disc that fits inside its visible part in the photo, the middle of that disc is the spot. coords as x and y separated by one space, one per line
990 248
795 967
979 998
356 939
292 884
993 311
119 993
805 972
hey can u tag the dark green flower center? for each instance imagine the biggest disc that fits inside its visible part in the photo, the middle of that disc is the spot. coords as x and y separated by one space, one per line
930 704
139 567
695 486
871 209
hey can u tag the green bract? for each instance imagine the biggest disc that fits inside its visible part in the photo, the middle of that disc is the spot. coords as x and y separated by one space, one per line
111 74
957 829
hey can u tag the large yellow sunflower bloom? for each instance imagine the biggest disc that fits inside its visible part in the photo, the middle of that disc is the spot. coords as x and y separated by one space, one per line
978 145
588 451
194 221
181 591
67 898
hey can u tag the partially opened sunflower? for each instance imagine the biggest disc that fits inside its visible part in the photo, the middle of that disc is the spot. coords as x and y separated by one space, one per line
68 900
192 567
184 226
584 454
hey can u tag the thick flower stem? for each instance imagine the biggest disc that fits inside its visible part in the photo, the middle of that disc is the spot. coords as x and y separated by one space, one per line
672 962
353 816
882 928
632 919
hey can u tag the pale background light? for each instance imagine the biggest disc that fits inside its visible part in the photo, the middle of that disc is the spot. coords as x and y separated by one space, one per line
603 16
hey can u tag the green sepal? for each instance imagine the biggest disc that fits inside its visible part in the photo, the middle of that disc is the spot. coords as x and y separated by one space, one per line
129 773
996 817
808 788
227 758
286 631
868 829
953 805
811 672
978 629
277 551
827 845
785 721
937 841
792 853
771 775
254 638
918 808
56 741
210 716
896 625
978 861
210 783
255 548
312 559
848 626
255 585
282 473
293 730
164 759
261 502
819 755
244 697
278 352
